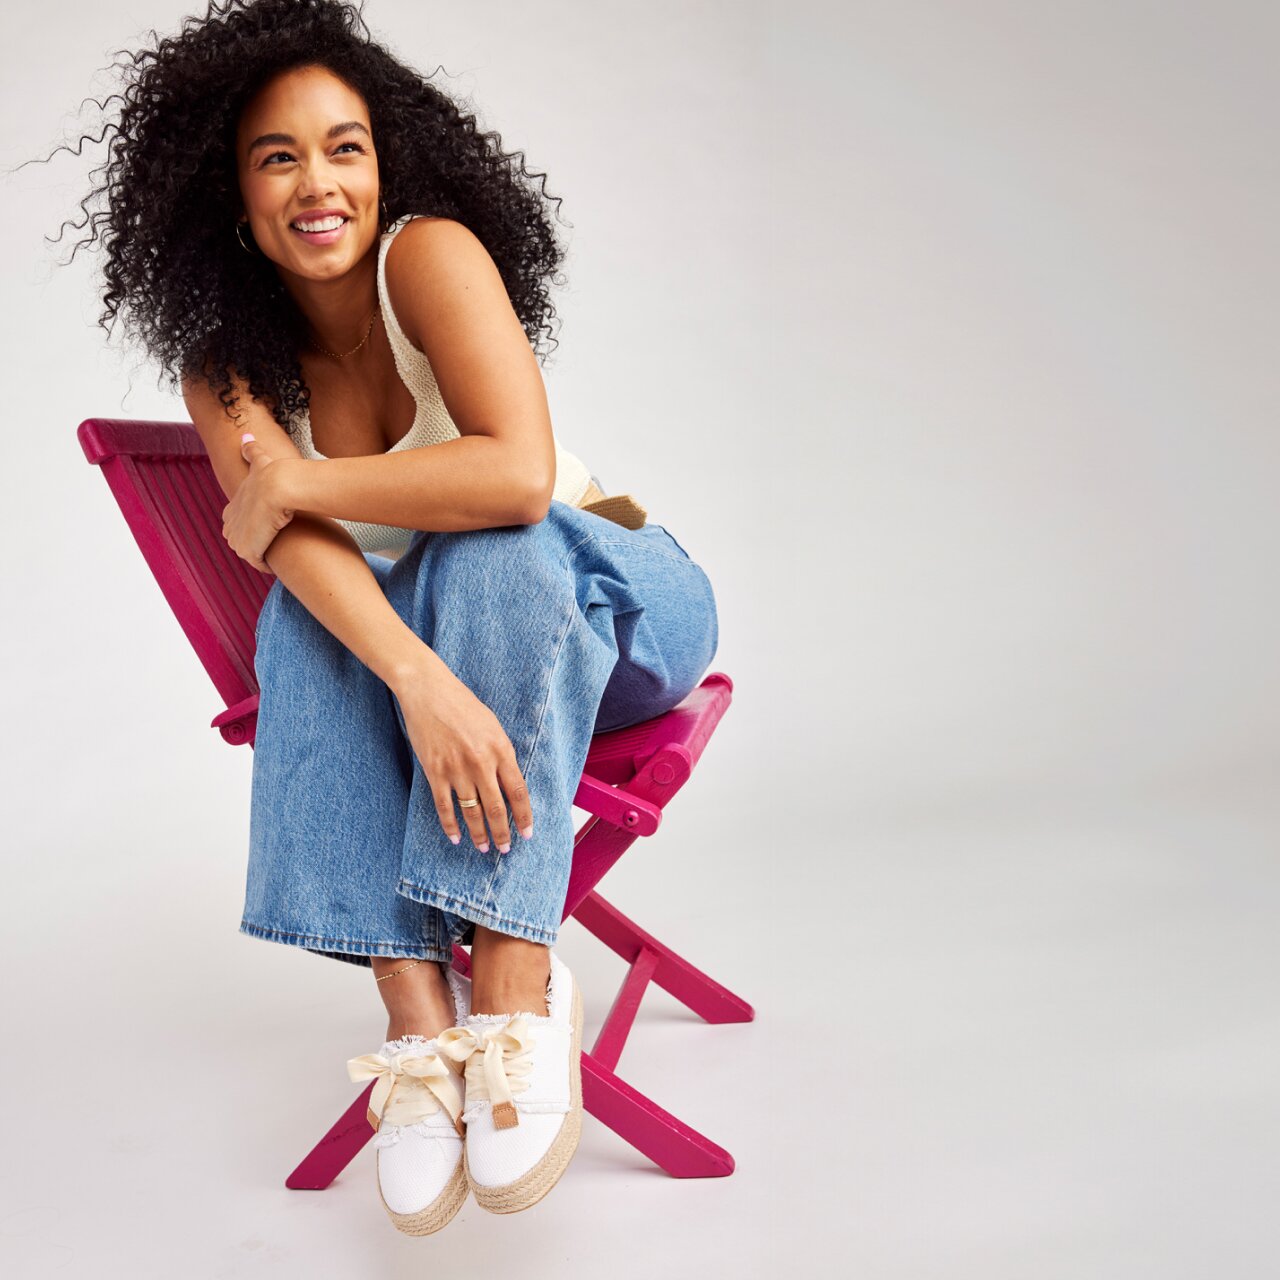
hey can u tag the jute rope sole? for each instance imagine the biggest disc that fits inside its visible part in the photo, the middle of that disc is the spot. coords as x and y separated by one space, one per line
439 1213
528 1189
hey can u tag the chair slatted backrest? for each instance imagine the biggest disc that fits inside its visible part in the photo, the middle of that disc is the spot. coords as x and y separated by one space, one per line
171 500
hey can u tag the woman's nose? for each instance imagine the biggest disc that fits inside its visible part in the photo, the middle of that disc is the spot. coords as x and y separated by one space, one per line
316 180
315 190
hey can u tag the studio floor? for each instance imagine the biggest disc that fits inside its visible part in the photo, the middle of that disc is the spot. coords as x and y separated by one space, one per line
1040 1045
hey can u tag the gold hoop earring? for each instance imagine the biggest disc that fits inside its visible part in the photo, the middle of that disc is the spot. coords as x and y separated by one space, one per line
240 237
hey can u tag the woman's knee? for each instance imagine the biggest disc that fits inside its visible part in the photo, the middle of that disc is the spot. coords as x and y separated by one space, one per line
270 604
283 611
284 619
379 565
521 553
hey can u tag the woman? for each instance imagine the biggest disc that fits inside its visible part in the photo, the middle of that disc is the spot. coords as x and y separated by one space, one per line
324 253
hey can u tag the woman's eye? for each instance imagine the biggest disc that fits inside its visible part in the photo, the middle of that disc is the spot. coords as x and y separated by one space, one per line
275 155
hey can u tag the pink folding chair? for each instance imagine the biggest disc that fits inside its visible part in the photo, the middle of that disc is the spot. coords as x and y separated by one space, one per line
165 486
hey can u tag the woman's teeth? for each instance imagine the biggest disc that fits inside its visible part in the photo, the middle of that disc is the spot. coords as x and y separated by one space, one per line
322 224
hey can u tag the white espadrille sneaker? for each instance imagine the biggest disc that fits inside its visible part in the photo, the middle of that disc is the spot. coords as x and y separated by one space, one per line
523 1114
416 1108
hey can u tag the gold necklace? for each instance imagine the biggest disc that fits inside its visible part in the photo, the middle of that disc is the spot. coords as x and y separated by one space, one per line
344 354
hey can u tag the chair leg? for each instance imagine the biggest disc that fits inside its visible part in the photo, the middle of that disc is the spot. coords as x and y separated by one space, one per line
336 1149
670 1143
683 1152
693 988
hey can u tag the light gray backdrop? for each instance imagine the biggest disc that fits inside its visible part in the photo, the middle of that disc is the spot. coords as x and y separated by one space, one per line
942 335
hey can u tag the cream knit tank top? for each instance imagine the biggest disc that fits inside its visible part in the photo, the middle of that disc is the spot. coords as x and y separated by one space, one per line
431 424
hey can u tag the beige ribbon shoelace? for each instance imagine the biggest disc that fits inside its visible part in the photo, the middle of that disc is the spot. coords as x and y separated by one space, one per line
498 1062
409 1089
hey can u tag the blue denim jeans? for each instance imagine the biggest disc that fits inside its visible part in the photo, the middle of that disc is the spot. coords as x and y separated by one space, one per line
563 628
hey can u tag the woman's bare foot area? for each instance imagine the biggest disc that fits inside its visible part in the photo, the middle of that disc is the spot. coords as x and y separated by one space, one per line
418 998
508 974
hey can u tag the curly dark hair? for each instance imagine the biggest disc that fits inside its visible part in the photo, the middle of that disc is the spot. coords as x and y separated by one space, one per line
174 272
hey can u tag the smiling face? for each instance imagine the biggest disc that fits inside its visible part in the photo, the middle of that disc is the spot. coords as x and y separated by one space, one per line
305 159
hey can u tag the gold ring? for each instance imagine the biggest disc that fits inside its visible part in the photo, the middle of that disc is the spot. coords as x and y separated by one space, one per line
468 804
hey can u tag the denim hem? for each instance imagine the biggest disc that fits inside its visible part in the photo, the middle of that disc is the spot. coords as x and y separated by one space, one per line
340 948
477 915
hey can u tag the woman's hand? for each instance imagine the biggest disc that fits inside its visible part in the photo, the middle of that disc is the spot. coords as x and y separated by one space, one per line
463 748
251 520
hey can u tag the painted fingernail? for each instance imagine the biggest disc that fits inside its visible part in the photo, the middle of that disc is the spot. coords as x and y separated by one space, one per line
455 839
504 848
527 832
484 848
248 435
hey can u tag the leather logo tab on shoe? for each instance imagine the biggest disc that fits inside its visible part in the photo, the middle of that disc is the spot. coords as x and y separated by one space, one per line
505 1115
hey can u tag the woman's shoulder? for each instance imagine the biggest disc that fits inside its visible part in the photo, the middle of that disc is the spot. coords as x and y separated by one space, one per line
427 244
415 223
419 234
425 262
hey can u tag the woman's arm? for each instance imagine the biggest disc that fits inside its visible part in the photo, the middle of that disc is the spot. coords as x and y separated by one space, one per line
451 303
458 740
315 557
474 482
